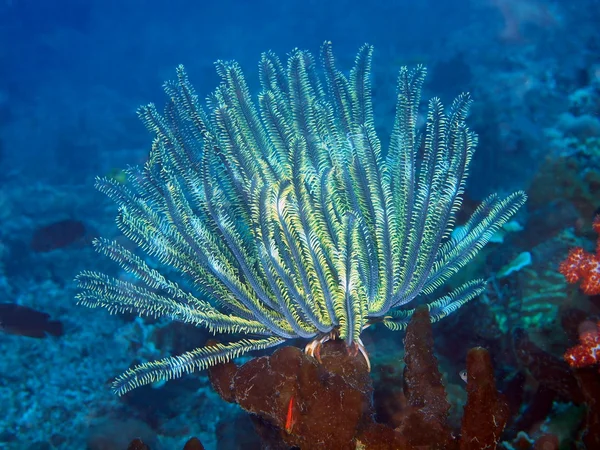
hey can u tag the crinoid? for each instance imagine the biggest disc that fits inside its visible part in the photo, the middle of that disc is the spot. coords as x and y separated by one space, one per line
285 218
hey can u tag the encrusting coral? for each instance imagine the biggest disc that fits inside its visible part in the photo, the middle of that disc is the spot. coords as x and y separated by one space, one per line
288 219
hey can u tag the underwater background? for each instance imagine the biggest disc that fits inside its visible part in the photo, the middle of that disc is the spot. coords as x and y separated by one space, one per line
73 74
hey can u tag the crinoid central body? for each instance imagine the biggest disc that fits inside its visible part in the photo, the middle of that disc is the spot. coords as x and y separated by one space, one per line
284 218
313 348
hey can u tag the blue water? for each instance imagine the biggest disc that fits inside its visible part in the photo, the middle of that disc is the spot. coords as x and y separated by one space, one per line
73 74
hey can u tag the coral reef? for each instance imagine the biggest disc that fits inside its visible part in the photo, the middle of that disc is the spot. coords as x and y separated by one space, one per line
66 116
549 402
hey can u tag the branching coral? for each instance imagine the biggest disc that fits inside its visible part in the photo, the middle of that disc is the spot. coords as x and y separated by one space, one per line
288 219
